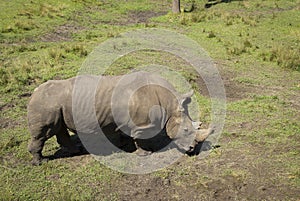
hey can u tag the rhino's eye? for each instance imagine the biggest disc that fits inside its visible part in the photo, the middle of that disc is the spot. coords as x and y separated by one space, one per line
185 129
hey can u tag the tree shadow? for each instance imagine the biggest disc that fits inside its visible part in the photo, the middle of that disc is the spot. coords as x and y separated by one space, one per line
215 2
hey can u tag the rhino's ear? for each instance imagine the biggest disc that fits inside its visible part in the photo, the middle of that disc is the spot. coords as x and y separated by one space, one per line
189 94
186 98
172 127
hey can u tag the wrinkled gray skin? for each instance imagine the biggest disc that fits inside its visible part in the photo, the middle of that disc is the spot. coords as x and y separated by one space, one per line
151 108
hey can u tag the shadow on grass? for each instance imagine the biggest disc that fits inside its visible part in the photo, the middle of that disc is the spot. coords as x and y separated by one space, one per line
215 2
126 144
201 147
63 152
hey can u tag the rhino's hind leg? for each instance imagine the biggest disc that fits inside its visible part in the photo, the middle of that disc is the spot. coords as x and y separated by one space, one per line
64 139
39 135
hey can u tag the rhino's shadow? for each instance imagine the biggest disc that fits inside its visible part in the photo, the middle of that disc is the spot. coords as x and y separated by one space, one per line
63 152
203 146
154 144
125 143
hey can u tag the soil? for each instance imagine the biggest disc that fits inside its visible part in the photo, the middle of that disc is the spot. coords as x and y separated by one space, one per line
142 16
6 122
61 33
234 91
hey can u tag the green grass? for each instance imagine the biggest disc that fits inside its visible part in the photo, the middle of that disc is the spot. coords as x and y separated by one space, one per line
23 20
255 45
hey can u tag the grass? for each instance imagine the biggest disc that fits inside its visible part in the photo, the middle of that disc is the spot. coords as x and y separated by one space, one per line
23 20
255 45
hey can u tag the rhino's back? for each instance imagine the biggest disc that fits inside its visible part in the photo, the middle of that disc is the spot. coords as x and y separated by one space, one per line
141 97
44 107
149 89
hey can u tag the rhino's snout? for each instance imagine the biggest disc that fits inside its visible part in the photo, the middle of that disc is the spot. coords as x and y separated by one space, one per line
191 149
197 124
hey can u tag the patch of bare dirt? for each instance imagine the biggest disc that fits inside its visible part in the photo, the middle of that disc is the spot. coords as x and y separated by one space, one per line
136 17
8 123
61 33
65 31
231 176
139 187
234 91
6 106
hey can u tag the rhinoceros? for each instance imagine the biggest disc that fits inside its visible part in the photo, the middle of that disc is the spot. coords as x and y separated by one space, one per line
140 104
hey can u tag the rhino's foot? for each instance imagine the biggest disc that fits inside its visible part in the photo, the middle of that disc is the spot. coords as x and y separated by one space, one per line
142 152
39 161
69 152
74 150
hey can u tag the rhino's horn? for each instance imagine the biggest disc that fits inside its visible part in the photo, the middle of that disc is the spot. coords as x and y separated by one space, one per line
201 135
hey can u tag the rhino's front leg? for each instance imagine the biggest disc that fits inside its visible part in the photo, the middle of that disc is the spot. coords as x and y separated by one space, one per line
35 147
141 152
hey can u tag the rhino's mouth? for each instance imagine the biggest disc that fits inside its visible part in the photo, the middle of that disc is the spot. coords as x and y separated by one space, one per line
191 149
193 146
188 148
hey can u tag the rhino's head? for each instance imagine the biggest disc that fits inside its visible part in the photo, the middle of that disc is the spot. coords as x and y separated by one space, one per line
180 127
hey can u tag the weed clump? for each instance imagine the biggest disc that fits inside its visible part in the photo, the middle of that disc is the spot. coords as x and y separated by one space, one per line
211 34
240 48
286 57
50 10
77 49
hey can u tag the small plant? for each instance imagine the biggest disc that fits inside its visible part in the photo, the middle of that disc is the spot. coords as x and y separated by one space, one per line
247 44
8 29
50 11
248 20
229 21
239 49
56 54
25 25
287 57
236 50
9 143
211 34
183 19
197 17
79 50
4 76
